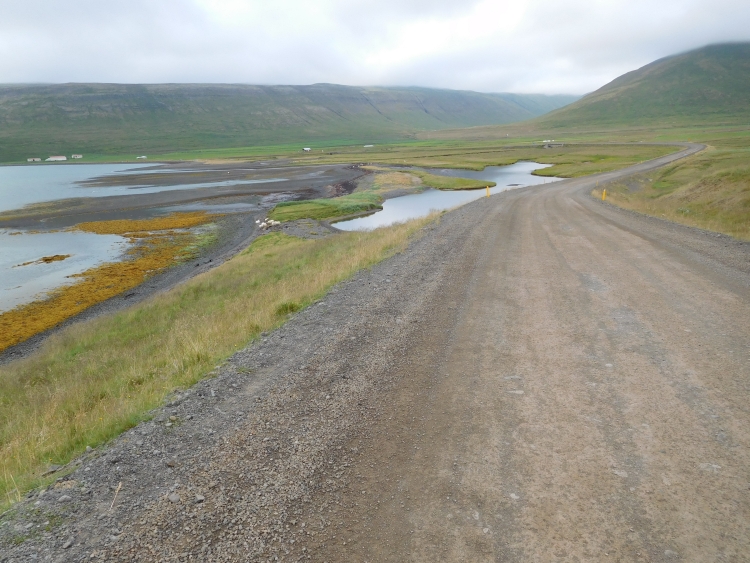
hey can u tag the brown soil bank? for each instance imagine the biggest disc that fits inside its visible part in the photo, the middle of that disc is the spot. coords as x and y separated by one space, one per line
539 378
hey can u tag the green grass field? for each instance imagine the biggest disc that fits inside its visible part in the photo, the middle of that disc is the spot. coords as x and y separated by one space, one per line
158 119
351 204
450 183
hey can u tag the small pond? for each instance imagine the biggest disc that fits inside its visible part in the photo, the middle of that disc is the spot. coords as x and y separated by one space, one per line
412 206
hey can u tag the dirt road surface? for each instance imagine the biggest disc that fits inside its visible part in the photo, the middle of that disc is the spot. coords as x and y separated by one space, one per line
540 377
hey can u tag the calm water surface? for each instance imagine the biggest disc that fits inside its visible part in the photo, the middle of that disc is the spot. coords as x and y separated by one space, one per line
24 185
401 209
21 284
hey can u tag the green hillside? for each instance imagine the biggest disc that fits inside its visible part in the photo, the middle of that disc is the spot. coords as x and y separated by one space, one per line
39 120
707 85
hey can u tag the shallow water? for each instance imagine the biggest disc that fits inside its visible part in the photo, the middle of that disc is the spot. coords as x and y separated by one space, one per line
24 185
23 284
401 209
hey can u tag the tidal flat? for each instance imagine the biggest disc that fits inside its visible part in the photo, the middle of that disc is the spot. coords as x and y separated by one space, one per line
119 226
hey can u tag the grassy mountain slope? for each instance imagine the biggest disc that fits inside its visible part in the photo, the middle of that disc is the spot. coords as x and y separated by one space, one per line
711 84
38 120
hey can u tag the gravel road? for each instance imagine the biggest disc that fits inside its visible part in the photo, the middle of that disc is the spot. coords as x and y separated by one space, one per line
539 377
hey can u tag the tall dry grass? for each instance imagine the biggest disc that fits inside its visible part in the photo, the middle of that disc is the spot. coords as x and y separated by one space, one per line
94 380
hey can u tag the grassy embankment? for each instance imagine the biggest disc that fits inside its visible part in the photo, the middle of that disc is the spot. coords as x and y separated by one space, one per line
157 244
351 204
93 380
710 190
450 183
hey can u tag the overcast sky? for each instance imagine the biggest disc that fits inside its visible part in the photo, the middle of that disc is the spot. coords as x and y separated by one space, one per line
547 46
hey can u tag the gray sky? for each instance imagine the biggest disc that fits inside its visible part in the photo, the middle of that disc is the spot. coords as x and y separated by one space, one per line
551 46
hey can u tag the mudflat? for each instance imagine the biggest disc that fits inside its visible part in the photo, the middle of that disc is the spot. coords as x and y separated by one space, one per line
242 204
258 184
539 377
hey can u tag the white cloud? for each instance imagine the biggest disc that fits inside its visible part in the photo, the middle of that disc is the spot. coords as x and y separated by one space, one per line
489 45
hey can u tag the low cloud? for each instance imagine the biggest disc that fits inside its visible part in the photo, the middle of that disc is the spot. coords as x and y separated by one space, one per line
568 46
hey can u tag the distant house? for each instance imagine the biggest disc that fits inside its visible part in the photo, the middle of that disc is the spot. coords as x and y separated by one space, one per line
369 146
307 149
76 156
33 159
141 157
55 158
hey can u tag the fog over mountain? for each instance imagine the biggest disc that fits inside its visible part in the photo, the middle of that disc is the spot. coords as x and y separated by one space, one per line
568 46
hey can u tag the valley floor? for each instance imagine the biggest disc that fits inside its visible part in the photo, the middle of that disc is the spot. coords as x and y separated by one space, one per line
539 377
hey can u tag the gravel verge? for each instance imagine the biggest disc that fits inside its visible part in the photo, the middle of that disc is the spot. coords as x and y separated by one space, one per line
229 468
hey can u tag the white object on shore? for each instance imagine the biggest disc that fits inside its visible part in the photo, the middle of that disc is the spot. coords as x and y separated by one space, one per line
56 158
141 157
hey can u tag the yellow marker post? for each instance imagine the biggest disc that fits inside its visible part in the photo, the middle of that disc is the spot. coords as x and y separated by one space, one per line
604 194
488 191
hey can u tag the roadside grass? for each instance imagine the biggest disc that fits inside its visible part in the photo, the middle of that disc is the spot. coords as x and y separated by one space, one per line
94 380
710 190
157 244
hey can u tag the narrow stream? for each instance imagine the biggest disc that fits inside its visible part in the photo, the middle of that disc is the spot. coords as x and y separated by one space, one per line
412 206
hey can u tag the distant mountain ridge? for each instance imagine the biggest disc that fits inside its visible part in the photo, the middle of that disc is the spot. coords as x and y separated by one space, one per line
709 84
120 118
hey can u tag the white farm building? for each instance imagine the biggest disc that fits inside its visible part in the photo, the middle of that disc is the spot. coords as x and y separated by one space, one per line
56 158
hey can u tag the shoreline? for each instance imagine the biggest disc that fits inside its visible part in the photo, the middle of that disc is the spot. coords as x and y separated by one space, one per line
235 232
